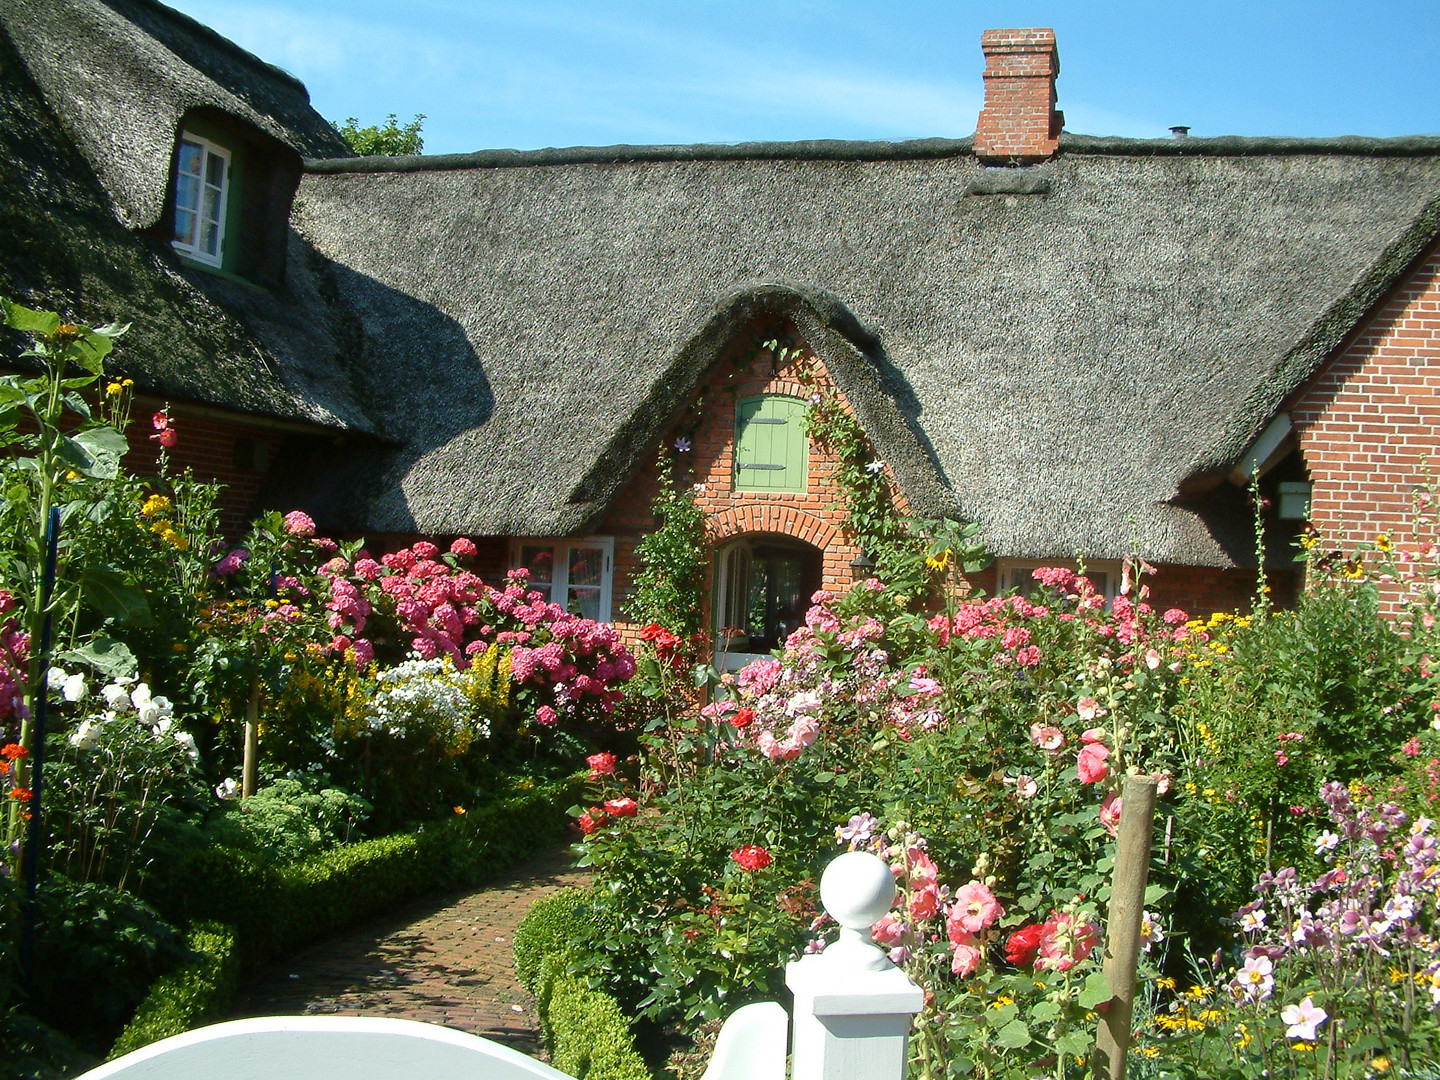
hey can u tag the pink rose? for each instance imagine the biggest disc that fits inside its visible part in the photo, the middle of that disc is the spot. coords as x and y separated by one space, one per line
1091 763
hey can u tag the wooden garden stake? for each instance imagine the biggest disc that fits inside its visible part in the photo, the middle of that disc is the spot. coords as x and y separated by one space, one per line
1122 945
250 767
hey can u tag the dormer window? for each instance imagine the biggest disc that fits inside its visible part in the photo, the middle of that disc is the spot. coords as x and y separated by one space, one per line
202 188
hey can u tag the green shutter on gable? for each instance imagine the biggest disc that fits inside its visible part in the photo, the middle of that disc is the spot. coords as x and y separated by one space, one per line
770 444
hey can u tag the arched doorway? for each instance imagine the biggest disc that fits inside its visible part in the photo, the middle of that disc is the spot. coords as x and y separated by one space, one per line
763 585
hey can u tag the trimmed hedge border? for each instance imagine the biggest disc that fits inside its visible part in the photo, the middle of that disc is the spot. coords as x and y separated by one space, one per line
261 910
586 1033
191 995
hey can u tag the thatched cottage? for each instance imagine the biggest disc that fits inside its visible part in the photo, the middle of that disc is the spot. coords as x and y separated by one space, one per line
1087 345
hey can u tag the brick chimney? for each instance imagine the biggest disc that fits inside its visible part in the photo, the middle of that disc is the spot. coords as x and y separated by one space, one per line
1019 123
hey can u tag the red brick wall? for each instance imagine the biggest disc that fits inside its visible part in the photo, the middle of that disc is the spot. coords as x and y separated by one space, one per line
810 516
207 445
1019 121
1367 423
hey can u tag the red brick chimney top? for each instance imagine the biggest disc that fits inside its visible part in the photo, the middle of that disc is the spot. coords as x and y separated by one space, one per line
1019 123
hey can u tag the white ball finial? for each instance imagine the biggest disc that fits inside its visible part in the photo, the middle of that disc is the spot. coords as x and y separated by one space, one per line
857 889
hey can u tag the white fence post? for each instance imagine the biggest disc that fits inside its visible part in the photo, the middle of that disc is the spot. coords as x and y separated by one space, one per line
852 1005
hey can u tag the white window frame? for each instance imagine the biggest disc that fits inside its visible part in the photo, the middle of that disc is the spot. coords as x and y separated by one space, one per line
208 150
560 575
1006 569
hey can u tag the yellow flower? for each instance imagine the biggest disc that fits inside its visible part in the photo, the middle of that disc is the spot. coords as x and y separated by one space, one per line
114 389
459 809
1001 1001
272 603
155 505
1380 1064
1382 542
1354 568
1150 1051
939 562
72 475
1165 982
1243 1036
127 383
1303 1047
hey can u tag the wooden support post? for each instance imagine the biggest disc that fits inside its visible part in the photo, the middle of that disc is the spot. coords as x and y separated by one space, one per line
250 765
1122 944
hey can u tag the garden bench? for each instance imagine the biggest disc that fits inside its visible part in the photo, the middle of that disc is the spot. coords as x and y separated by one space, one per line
852 1017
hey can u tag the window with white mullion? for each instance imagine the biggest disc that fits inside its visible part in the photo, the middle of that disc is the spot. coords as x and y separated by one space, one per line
202 172
576 574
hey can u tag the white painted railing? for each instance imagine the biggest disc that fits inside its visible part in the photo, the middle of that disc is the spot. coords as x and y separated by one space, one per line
852 1017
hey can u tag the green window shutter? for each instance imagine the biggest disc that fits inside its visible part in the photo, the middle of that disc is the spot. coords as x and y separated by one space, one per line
770 444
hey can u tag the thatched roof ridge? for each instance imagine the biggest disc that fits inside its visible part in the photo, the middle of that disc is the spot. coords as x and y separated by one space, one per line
1320 344
874 150
121 74
1062 359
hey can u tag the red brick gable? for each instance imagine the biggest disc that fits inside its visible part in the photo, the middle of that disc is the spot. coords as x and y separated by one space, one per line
812 516
1367 423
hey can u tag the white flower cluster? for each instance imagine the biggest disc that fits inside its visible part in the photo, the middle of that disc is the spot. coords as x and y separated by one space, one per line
123 704
419 695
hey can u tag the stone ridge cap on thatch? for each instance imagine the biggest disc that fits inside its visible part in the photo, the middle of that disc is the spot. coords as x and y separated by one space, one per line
215 40
1320 342
859 150
841 342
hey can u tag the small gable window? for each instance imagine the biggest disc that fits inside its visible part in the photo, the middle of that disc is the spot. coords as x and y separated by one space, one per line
771 448
202 189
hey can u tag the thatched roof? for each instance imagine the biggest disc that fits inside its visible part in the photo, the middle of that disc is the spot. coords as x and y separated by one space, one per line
1059 356
121 73
61 247
1058 352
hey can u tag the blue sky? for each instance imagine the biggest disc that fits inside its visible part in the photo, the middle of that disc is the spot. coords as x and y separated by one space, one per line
512 74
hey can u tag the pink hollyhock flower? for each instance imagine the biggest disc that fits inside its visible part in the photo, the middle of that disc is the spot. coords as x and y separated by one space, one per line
1091 763
167 438
601 765
1110 813
973 909
299 523
965 958
921 870
1093 735
1023 945
1087 708
751 857
1065 941
464 546
626 807
1026 787
1153 659
925 904
1047 738
160 421
888 931
546 715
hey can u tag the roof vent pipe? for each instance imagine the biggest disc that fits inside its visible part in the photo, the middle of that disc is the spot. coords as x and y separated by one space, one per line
1180 131
1019 123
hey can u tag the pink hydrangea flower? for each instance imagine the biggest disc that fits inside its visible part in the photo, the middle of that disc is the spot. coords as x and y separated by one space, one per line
546 715
299 523
464 546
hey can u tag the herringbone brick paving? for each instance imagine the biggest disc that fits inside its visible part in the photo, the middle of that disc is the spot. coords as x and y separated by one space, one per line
444 960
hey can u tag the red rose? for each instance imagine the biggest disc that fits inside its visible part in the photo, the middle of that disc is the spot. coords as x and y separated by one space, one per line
742 719
601 765
751 857
1022 946
626 807
592 819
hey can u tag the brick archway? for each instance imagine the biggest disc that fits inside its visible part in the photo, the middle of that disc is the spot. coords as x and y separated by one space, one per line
768 518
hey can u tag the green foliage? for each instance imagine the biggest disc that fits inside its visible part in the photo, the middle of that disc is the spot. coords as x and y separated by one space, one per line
669 588
391 139
196 993
553 924
586 1033
97 951
291 819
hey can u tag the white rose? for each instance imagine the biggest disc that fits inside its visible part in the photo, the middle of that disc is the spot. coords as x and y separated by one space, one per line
75 688
116 697
140 696
185 739
227 790
148 711
86 736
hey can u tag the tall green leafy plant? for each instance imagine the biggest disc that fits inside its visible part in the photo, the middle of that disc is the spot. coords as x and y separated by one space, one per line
670 587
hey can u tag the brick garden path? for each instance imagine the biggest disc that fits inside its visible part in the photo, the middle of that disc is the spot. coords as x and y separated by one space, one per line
442 959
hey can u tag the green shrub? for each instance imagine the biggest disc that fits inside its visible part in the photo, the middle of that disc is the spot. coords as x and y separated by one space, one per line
291 819
553 924
193 994
587 1035
97 950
